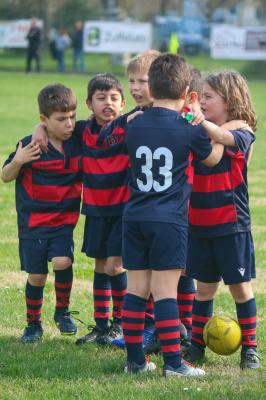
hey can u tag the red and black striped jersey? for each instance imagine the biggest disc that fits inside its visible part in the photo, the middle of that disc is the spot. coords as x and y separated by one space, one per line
48 191
105 168
219 202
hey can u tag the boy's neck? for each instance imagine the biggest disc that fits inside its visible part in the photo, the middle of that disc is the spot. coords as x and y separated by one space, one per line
170 104
57 143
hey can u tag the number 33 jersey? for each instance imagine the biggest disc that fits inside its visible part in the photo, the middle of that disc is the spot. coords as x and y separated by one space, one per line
161 145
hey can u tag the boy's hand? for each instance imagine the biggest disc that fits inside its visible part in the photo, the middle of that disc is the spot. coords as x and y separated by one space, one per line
26 154
236 124
198 117
40 136
132 116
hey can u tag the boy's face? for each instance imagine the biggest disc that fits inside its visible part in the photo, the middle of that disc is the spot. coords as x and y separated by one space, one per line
60 125
106 105
213 105
139 88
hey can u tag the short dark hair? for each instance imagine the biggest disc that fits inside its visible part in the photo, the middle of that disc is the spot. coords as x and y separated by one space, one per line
56 97
168 76
197 82
104 82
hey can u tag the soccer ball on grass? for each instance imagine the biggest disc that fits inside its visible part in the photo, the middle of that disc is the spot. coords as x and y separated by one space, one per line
222 334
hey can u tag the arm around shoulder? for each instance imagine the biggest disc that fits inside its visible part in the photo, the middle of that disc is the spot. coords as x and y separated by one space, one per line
215 156
23 155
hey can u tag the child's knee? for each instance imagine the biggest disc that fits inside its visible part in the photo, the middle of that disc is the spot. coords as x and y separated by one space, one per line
37 279
61 263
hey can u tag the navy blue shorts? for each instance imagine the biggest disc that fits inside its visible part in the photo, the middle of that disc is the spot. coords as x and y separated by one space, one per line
154 245
231 258
35 253
102 237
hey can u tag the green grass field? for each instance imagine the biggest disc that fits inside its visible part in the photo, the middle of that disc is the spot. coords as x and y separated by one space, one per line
56 368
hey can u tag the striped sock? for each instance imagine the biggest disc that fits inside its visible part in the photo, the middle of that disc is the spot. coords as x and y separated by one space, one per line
101 299
133 315
167 325
118 290
202 312
247 318
63 285
185 298
34 301
149 312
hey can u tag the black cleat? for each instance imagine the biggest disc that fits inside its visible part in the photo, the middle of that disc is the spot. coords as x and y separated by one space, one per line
114 332
153 345
249 359
194 354
95 333
65 323
32 333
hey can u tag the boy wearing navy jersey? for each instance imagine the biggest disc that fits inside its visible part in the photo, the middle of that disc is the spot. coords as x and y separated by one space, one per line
160 143
48 191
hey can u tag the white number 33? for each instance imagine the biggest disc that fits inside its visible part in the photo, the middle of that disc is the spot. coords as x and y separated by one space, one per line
146 169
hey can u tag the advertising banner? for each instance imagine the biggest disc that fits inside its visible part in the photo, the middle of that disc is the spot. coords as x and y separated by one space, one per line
116 37
246 43
13 33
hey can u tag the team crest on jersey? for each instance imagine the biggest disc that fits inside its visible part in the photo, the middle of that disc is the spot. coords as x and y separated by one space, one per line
241 271
113 139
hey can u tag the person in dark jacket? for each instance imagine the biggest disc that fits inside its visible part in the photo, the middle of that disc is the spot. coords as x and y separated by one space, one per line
78 53
34 38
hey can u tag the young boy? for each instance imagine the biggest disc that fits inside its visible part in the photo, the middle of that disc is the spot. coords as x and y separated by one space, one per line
105 191
48 191
159 144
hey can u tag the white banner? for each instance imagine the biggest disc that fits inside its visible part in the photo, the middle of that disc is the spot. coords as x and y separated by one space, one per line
116 37
247 43
13 33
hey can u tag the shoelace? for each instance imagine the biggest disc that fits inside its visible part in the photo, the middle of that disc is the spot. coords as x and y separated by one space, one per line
73 314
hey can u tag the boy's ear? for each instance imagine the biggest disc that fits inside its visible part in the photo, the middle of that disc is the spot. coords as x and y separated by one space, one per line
123 103
193 97
184 93
43 119
88 102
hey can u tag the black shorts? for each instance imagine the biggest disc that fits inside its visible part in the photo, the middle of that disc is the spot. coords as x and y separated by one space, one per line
36 253
102 237
154 245
230 258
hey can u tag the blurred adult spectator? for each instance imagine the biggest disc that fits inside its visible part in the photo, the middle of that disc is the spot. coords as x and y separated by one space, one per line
62 42
34 38
77 44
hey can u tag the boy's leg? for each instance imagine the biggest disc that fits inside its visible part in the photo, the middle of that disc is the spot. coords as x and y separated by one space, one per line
201 313
34 301
33 258
118 281
164 288
133 318
101 303
185 298
60 252
247 318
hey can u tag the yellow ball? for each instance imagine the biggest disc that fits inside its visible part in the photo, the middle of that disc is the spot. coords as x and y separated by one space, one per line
222 335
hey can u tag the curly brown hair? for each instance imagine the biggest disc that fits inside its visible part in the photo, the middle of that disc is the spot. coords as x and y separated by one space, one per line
233 89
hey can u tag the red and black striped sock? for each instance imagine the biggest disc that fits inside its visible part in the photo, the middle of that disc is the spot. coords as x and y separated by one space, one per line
34 302
167 325
118 290
63 285
149 312
133 315
247 318
202 312
185 298
101 299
